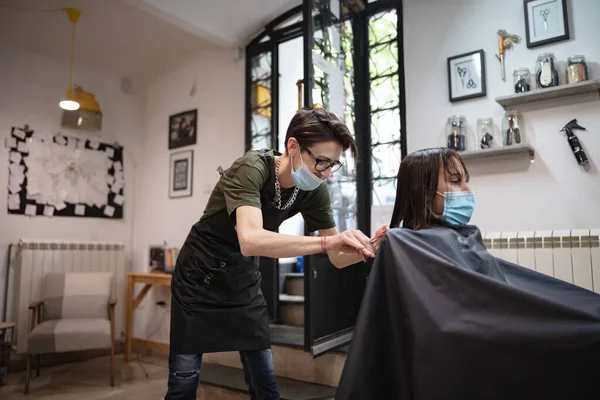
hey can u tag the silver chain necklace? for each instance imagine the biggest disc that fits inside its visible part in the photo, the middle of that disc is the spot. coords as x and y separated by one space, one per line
278 190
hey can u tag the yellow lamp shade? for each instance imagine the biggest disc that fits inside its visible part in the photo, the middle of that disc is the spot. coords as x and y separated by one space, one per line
87 116
86 100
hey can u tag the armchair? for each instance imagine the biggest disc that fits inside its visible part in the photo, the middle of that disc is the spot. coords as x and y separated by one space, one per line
76 313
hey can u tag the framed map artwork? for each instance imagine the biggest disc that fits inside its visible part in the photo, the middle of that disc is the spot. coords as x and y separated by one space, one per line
57 175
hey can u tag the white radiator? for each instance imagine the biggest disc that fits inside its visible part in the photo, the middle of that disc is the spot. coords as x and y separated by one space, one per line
570 255
33 259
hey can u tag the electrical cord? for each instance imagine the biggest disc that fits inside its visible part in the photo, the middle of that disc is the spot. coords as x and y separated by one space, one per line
72 57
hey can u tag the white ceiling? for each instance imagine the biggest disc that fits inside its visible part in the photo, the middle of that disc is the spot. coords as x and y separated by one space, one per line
112 36
230 23
137 39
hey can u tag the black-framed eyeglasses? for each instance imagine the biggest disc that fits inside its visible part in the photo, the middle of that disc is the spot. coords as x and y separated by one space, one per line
322 164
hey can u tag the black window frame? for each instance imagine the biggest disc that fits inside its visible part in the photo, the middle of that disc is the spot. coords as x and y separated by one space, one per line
274 37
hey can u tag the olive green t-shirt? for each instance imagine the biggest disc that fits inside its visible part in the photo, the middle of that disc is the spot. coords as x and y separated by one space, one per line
252 174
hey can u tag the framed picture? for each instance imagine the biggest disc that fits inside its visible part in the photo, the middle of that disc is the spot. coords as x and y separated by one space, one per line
546 21
183 129
181 174
466 76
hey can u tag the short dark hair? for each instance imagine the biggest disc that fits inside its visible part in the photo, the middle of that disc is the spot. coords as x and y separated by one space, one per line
310 126
417 183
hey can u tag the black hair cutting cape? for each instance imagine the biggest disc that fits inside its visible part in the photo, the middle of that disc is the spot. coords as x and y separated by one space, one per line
442 318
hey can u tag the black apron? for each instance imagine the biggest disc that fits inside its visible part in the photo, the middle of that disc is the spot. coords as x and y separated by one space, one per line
217 302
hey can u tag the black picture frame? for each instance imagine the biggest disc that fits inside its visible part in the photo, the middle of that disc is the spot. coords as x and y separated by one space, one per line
181 174
183 129
467 76
536 17
21 203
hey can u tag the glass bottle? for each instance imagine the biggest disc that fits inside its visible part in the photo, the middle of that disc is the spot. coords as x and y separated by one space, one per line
577 69
456 133
512 128
486 133
522 80
546 74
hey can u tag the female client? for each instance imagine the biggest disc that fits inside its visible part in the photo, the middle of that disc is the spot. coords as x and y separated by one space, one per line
442 318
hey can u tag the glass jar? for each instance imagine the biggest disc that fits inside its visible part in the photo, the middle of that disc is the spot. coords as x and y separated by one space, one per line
512 128
577 69
456 137
546 74
522 80
486 134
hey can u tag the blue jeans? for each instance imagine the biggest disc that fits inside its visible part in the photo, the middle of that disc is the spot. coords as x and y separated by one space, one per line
184 374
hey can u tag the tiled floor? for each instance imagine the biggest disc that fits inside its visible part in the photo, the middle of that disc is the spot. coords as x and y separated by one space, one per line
145 380
90 380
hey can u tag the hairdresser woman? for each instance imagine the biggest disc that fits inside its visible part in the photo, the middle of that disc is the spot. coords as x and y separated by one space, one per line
217 301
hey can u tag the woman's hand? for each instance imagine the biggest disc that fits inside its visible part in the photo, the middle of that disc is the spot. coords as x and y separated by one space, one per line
351 240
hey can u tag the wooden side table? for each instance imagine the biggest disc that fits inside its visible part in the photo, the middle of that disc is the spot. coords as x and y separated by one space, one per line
148 280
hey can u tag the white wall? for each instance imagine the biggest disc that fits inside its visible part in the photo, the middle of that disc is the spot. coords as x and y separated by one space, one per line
31 87
512 194
219 98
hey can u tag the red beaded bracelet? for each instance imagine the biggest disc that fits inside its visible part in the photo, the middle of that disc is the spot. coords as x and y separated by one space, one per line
324 243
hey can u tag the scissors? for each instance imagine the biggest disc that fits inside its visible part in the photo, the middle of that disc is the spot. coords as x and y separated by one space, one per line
544 13
373 241
471 84
378 237
462 72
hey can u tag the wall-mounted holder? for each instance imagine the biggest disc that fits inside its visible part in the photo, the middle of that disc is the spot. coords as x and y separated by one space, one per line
500 151
557 92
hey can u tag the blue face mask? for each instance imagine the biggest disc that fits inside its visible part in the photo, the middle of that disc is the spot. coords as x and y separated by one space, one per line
304 179
458 207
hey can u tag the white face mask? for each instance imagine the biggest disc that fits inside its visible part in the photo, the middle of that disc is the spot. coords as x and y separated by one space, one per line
304 179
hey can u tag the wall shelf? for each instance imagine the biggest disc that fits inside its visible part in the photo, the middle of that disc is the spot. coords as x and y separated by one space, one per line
550 93
499 151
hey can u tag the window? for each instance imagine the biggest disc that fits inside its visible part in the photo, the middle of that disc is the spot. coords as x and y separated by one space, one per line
261 101
333 74
357 67
384 105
